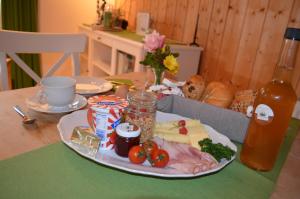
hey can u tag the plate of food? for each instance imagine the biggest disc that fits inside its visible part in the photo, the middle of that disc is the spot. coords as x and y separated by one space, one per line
91 85
185 157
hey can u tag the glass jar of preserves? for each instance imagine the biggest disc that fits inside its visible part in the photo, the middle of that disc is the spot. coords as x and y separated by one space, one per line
128 135
141 112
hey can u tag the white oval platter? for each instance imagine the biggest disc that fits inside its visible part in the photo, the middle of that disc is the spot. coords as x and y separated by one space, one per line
109 158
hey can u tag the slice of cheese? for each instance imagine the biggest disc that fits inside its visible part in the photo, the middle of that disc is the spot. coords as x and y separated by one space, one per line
194 139
174 124
170 132
174 137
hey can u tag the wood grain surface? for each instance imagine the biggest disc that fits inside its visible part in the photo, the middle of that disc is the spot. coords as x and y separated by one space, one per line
241 38
16 138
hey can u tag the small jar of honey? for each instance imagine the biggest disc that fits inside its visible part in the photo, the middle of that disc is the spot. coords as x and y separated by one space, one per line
128 135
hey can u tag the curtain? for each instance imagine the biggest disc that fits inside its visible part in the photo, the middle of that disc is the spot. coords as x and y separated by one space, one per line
22 15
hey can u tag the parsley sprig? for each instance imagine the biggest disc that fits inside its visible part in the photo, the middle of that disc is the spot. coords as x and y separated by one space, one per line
218 151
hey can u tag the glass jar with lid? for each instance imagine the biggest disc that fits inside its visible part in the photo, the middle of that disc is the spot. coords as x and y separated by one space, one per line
128 135
141 112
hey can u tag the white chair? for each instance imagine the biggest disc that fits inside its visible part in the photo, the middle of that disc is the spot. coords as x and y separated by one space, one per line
12 42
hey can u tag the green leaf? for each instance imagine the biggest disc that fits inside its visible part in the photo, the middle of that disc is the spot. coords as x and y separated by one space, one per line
218 151
121 81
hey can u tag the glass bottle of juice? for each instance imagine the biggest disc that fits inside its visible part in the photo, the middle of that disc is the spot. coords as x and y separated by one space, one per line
272 110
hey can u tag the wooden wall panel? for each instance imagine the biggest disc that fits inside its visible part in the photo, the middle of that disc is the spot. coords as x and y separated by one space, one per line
170 18
154 10
125 5
251 33
131 17
205 13
241 38
231 38
161 15
190 21
295 15
214 40
270 43
180 19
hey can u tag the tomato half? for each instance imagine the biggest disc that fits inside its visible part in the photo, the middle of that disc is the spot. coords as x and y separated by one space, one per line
150 146
159 158
137 155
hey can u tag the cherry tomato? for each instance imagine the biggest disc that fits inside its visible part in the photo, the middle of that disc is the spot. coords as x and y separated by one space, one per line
159 158
150 146
183 130
137 155
181 123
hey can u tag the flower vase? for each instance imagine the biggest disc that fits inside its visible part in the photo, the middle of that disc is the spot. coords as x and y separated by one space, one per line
158 76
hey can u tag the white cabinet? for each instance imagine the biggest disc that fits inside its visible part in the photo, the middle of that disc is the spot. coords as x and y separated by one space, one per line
106 51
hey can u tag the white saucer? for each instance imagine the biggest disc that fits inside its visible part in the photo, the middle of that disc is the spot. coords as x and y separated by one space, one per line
91 85
35 104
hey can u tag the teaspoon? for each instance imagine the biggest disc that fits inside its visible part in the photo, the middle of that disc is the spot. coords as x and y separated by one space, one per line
26 118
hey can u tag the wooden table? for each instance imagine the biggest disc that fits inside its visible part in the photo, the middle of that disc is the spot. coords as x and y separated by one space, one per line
16 138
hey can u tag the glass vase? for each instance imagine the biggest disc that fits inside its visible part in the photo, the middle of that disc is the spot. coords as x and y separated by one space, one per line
158 75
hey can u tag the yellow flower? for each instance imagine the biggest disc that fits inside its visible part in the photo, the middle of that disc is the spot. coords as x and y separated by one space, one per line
171 64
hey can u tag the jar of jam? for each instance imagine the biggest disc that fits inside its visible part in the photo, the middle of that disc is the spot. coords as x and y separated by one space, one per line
128 135
141 112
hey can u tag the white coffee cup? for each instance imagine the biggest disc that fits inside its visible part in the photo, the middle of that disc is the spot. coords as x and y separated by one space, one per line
58 90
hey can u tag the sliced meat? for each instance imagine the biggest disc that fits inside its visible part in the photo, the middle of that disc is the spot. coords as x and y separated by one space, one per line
186 158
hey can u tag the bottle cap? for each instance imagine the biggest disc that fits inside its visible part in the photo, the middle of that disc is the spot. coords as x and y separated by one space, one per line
128 130
292 33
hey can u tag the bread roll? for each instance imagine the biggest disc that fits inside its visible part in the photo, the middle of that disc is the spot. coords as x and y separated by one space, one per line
218 94
194 87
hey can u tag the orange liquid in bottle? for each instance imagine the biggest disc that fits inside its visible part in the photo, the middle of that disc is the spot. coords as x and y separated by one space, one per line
272 110
264 138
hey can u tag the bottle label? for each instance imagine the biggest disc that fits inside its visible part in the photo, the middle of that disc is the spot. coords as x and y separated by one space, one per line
263 114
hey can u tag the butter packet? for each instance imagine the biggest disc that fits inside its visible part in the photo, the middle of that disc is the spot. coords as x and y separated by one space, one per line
85 140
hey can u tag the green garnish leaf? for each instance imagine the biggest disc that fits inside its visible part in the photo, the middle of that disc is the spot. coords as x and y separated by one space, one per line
218 151
120 81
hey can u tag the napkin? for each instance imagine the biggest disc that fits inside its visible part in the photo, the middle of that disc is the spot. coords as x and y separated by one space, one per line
230 123
168 88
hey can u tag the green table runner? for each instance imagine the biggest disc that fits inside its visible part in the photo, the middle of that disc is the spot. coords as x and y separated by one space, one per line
56 171
134 37
139 38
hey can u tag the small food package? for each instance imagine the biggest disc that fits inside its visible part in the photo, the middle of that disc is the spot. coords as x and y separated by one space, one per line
85 140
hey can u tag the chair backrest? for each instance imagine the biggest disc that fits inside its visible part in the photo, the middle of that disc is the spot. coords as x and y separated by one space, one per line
13 42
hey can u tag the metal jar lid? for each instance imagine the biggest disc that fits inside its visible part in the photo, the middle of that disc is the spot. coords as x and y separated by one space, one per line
107 103
128 130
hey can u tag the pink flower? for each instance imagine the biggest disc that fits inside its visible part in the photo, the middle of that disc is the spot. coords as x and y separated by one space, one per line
153 41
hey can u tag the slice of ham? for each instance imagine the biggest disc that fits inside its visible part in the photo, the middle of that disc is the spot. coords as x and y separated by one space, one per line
186 158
